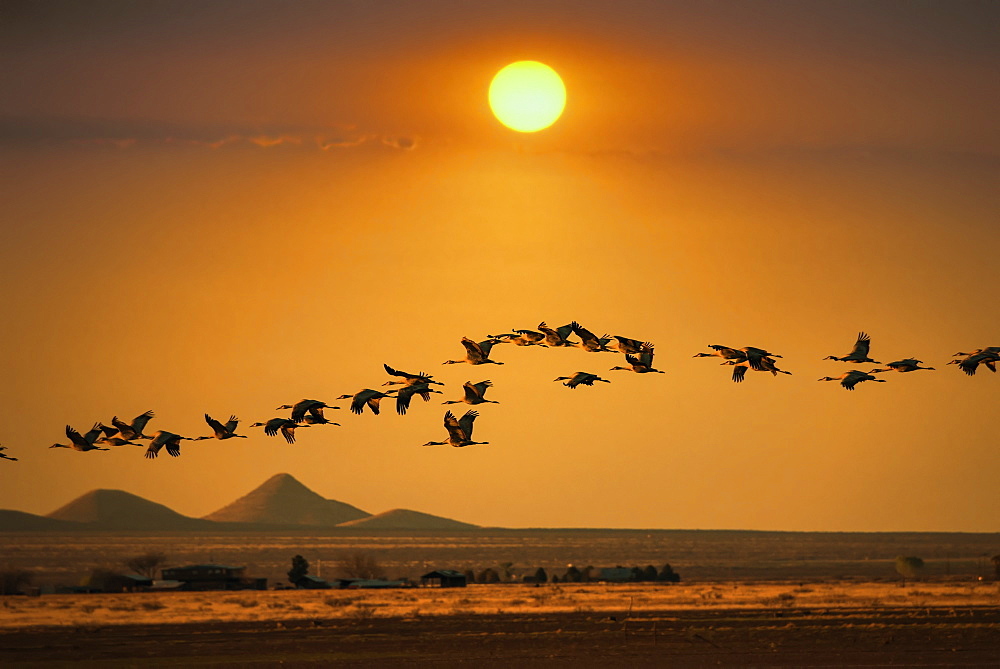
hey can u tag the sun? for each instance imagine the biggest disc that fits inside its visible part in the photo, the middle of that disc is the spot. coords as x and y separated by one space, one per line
527 96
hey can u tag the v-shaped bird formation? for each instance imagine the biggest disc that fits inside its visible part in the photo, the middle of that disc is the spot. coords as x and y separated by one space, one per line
638 356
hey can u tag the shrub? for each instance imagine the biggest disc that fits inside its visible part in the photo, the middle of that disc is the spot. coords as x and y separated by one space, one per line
360 565
909 567
146 564
13 580
300 568
668 574
361 612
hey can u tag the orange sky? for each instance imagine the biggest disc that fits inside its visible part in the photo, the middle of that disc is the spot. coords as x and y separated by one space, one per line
227 208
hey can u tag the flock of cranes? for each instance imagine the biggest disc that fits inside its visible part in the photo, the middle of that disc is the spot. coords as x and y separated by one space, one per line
638 358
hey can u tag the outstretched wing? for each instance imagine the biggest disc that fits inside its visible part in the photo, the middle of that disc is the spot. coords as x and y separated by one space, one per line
288 431
231 424
76 438
853 378
627 345
472 393
739 371
480 388
122 426
403 398
216 426
573 381
861 346
474 350
301 407
139 422
359 401
153 450
583 333
465 423
272 426
754 357
108 430
455 431
93 433
969 365
565 330
174 446
395 372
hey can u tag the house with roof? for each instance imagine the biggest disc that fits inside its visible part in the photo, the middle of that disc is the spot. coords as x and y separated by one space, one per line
213 577
443 578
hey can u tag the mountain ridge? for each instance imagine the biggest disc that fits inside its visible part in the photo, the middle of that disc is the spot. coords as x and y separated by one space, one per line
281 503
407 519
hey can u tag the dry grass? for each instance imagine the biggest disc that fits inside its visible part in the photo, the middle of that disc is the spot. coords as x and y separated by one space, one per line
150 608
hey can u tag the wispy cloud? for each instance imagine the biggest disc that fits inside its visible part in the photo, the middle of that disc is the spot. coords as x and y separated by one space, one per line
124 134
328 143
402 143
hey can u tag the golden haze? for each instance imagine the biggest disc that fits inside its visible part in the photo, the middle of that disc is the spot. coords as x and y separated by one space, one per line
241 231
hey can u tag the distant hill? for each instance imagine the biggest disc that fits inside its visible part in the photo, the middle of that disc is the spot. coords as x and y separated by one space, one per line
120 510
405 519
282 500
19 521
280 503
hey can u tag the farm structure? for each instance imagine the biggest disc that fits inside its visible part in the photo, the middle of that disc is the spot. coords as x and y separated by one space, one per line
213 577
443 578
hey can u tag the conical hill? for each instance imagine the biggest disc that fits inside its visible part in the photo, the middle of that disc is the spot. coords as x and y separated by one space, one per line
120 510
282 500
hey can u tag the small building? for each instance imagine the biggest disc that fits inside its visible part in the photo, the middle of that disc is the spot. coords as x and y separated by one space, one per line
135 583
110 581
213 577
370 583
443 578
310 582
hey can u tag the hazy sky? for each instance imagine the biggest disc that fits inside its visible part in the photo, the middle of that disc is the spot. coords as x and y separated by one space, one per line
225 207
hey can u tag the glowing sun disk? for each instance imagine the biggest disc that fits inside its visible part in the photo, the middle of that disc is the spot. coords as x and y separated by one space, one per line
527 96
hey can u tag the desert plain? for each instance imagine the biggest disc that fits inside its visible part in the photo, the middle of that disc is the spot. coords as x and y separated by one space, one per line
745 599
826 624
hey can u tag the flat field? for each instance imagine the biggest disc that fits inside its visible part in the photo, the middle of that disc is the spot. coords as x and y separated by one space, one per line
581 625
698 555
590 598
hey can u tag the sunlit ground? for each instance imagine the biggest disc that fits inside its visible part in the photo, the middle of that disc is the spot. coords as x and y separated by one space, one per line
192 607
